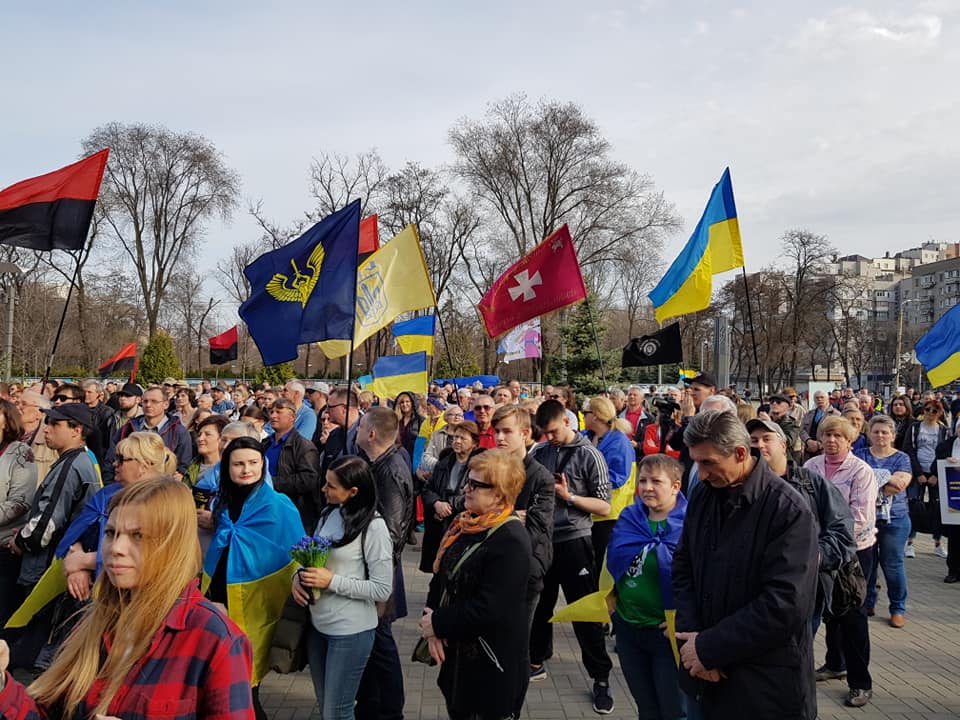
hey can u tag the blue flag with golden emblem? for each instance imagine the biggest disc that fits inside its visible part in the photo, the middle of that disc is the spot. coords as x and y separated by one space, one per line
304 291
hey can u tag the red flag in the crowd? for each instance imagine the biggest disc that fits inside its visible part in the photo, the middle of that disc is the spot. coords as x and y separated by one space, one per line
53 211
369 237
547 279
124 361
223 347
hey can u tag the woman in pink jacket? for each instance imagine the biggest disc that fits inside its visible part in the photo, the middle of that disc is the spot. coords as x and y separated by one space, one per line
848 636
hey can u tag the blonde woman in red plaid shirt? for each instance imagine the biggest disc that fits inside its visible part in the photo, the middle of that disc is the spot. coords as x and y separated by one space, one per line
149 645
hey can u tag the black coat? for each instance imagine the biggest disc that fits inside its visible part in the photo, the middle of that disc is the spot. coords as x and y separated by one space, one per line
484 622
538 499
297 476
433 490
910 438
745 578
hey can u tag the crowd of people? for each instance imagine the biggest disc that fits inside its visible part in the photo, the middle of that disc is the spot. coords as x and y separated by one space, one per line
146 536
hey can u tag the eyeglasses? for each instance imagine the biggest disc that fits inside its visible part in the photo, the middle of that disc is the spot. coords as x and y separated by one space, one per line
336 405
120 460
555 397
472 484
485 408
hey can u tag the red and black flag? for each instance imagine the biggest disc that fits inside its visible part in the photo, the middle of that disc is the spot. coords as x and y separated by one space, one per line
53 211
369 238
125 361
223 347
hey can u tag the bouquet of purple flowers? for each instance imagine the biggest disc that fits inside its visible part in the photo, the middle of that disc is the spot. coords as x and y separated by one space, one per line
312 552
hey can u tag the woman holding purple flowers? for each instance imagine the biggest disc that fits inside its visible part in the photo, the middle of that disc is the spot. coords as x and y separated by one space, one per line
357 574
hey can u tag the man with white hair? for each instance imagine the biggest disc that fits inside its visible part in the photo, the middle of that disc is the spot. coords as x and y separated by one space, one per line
306 422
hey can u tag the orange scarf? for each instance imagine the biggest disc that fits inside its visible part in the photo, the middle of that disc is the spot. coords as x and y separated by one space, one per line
469 524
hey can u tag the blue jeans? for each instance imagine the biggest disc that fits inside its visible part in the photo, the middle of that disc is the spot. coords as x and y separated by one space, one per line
336 665
646 659
891 538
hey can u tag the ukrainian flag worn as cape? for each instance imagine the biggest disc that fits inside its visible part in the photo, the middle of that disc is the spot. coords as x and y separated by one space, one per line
631 537
259 568
53 583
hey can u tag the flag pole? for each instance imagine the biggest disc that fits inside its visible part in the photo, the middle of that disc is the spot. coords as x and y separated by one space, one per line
446 345
63 317
753 332
596 342
353 333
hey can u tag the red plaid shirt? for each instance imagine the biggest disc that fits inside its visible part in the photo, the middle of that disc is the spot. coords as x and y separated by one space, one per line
198 666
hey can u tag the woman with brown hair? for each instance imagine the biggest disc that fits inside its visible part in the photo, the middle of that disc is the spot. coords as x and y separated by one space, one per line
150 646
475 621
18 483
442 494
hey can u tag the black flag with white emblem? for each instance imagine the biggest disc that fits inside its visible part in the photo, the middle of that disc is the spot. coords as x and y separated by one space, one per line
661 348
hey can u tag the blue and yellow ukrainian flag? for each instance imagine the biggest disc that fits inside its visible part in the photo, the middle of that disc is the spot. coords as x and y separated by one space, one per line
304 291
939 349
392 374
416 335
714 247
259 567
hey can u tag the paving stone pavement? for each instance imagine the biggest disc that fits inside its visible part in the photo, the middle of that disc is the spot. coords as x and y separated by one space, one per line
916 670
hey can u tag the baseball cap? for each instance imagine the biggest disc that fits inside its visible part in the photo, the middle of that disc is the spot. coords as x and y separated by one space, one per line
705 379
437 403
320 387
779 397
768 425
170 381
74 412
131 389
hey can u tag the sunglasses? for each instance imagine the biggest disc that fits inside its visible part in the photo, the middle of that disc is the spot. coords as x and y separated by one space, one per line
120 460
485 408
63 398
472 484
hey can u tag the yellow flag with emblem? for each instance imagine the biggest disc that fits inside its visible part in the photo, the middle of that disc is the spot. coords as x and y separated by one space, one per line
392 281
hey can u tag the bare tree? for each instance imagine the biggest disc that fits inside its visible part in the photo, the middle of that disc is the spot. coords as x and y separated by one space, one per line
338 180
160 189
538 166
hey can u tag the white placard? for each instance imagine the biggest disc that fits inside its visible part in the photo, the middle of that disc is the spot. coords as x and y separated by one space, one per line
949 475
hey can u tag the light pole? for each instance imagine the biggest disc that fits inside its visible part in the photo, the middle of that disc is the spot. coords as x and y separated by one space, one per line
896 365
703 350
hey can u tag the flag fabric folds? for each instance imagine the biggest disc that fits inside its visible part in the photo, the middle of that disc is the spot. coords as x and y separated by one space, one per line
392 374
123 362
53 211
416 335
223 347
392 281
521 343
546 279
304 291
939 349
660 348
714 247
369 237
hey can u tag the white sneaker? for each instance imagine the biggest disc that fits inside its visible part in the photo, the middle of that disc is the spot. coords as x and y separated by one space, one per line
940 551
909 551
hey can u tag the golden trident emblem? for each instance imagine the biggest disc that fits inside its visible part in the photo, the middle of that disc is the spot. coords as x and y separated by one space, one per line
301 286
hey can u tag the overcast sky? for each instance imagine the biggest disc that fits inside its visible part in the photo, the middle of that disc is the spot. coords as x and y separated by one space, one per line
839 119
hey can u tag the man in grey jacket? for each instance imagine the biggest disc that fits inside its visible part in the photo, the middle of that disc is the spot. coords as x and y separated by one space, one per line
582 488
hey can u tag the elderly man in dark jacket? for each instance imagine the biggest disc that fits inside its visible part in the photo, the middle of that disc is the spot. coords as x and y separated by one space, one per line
293 462
744 582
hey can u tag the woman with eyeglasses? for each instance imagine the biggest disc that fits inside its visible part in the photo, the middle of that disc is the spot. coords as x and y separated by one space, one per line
475 619
920 443
442 494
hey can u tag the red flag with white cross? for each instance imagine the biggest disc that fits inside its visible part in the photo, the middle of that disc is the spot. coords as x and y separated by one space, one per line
547 279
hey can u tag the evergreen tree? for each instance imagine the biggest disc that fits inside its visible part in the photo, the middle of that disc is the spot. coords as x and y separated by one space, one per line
275 374
159 361
580 368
